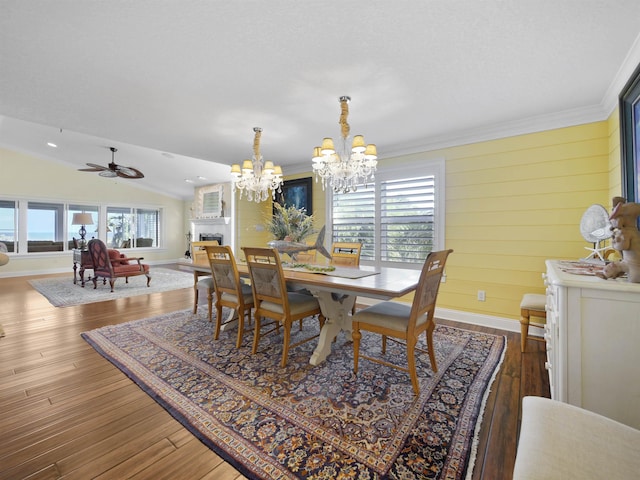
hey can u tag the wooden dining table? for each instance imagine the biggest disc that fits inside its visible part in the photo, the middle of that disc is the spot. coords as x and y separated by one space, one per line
336 292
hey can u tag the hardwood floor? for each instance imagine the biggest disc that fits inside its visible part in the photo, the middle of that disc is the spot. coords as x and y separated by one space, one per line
68 413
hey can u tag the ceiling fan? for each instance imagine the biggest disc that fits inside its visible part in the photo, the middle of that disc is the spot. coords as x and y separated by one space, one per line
113 170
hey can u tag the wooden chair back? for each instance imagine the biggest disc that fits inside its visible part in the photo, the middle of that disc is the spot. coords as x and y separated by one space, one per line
198 252
426 294
346 254
267 279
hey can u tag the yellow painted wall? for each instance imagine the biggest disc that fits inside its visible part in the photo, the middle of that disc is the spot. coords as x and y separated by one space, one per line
26 177
513 203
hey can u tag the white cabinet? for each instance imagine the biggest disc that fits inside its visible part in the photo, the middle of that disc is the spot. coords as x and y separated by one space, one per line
593 343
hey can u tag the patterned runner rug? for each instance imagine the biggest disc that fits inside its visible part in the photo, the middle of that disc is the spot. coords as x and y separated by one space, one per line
61 291
312 422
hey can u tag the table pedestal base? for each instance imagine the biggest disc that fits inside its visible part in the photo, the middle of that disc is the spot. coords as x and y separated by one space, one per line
336 310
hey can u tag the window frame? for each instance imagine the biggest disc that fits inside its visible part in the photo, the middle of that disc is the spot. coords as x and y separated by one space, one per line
400 171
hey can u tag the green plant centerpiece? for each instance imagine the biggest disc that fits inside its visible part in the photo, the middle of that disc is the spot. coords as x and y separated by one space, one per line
290 223
290 226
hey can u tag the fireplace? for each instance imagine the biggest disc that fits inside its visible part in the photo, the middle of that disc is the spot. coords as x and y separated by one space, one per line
208 237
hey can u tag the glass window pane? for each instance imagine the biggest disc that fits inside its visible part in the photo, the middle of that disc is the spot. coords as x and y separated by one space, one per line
147 224
45 227
120 227
8 224
91 229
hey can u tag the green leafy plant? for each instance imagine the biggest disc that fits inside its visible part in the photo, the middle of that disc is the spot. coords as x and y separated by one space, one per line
290 223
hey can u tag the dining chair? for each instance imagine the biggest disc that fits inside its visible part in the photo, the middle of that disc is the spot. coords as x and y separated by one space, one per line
202 283
272 300
403 321
230 291
199 256
346 254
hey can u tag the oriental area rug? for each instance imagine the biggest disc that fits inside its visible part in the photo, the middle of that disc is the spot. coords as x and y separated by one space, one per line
310 422
62 292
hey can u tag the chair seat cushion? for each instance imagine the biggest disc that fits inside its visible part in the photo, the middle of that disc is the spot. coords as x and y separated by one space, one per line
122 270
231 298
394 315
533 301
205 282
298 303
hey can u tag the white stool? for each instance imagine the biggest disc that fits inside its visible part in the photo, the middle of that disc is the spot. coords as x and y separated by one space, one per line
532 305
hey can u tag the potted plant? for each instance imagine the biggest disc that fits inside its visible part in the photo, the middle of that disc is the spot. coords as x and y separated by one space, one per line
290 223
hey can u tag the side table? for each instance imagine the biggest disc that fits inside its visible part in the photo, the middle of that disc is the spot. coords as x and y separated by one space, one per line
83 259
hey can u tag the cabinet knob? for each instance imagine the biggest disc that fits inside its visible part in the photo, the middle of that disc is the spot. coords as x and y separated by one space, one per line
547 366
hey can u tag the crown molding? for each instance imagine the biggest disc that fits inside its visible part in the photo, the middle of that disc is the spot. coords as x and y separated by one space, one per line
540 123
629 65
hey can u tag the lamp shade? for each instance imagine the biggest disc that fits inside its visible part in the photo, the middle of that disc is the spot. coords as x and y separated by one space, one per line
358 144
327 147
235 170
82 219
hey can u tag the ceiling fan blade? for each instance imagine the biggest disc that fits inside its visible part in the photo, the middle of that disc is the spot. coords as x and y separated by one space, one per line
95 165
129 172
94 168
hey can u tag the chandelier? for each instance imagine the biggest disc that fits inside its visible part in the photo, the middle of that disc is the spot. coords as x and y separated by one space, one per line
256 178
345 169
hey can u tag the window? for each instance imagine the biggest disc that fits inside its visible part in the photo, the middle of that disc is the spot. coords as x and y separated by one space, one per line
398 219
39 227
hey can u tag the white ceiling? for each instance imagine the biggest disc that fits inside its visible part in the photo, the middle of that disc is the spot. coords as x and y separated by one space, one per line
178 85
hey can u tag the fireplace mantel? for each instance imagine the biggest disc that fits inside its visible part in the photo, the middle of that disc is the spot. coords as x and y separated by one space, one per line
211 221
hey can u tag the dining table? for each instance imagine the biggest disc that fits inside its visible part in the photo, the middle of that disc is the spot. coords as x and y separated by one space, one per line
336 291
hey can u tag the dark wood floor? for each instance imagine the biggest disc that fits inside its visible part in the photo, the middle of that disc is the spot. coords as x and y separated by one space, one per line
68 413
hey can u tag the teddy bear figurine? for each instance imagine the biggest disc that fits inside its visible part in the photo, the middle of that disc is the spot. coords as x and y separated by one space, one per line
626 240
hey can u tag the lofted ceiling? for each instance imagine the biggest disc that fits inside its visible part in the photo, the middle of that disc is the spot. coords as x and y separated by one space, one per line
178 85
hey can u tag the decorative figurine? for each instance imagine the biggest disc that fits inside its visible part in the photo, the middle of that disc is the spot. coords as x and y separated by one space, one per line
626 240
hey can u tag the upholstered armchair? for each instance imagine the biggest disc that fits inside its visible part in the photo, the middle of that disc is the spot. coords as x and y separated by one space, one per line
111 264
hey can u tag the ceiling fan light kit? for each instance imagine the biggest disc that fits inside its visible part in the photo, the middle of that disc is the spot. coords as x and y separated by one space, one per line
113 169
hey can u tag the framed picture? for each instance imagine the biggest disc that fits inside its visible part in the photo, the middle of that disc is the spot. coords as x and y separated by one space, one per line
630 137
297 193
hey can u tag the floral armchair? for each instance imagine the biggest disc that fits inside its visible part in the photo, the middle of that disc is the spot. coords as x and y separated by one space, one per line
111 264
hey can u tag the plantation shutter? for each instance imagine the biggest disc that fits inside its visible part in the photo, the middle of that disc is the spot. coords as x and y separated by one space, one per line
407 219
404 231
354 219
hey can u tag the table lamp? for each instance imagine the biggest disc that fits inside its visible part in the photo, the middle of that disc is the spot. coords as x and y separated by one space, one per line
82 219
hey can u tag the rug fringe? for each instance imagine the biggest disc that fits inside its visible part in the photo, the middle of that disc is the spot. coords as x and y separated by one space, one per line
476 432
